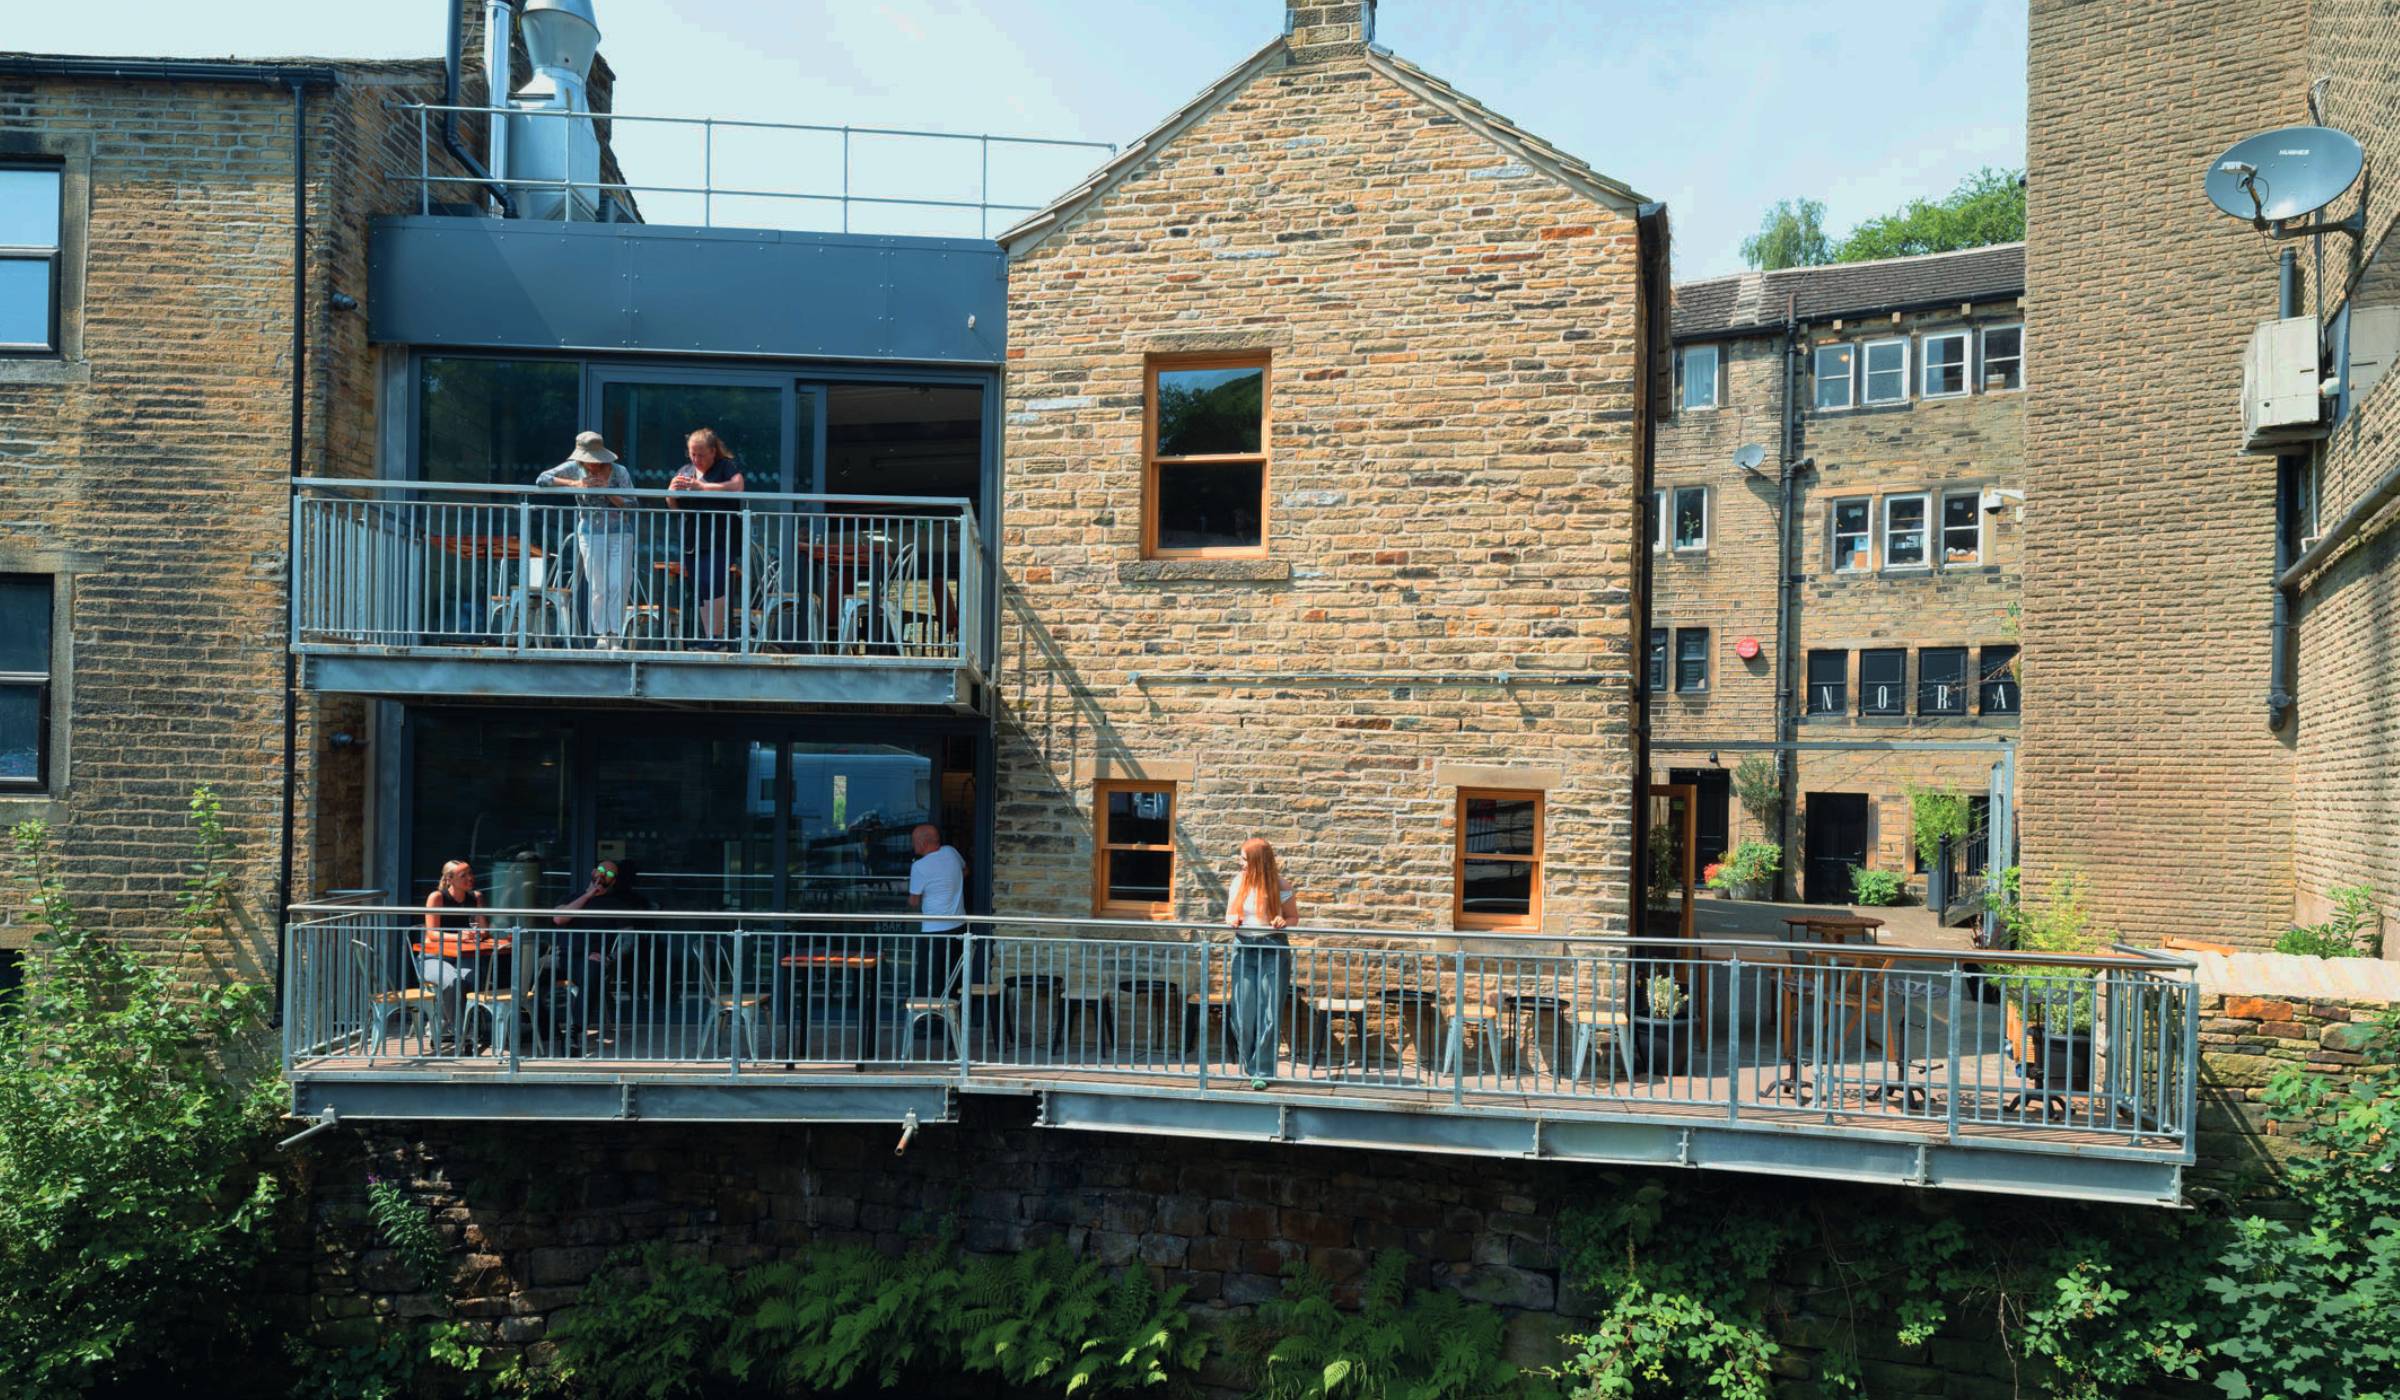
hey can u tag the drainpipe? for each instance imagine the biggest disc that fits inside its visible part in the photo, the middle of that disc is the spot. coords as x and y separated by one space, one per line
291 660
1651 232
2287 489
450 142
499 20
1787 719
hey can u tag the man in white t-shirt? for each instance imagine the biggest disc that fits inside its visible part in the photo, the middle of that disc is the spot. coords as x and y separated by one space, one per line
937 885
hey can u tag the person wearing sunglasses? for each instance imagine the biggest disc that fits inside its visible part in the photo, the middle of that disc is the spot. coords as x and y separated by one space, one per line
593 957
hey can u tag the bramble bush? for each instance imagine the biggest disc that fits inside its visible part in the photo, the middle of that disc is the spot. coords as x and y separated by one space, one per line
133 1113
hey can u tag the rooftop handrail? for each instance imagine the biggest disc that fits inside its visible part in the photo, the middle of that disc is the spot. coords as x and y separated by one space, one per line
426 179
1525 943
570 494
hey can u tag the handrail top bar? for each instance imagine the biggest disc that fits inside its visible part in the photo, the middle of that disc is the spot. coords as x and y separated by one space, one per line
1155 926
568 495
752 124
536 182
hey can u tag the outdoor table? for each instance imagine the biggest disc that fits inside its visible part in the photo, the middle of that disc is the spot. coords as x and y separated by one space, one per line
1328 1007
869 1006
1832 928
842 562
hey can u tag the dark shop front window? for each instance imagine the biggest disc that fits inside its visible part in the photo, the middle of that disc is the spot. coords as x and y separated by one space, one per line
1883 682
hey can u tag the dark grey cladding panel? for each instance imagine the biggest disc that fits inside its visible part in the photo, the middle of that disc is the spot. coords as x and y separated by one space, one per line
649 289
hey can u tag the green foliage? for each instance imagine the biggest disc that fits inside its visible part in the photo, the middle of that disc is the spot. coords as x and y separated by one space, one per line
408 1232
1868 886
663 1325
1987 207
1759 785
2354 931
1685 1298
1792 234
1938 816
2061 997
132 1116
1751 863
1664 996
441 1356
1434 1346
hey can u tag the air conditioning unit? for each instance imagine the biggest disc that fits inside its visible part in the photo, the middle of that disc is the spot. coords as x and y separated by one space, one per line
2280 402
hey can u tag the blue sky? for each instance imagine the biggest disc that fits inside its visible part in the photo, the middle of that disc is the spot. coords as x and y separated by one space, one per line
1719 109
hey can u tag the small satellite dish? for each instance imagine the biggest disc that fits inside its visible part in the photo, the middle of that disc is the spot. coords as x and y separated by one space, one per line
2278 176
1748 456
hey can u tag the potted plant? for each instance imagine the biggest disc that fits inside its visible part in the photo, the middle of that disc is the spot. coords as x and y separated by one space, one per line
1748 873
2049 1010
1875 887
1662 1026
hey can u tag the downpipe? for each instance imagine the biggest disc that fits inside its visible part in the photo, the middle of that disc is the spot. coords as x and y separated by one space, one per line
2287 489
450 142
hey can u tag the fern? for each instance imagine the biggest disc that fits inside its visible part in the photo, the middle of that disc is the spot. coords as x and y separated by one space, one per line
651 1326
1436 1346
407 1232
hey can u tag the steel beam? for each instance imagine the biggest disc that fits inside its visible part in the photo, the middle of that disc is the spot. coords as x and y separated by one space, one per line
857 680
619 1099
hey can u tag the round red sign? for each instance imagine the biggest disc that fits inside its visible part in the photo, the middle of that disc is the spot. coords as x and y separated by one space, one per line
1746 648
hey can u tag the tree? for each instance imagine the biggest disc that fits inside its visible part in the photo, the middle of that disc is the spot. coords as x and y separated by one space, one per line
1791 235
1987 207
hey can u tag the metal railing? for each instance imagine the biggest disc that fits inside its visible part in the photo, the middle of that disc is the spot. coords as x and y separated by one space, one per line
416 566
2055 1054
426 179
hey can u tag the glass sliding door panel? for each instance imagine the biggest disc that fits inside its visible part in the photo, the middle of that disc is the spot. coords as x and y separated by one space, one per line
853 807
494 422
647 424
904 440
695 813
495 791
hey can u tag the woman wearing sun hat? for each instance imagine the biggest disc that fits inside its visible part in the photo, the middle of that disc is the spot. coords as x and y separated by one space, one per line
603 532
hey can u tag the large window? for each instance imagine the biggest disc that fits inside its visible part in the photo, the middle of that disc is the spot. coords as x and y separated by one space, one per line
1133 873
2004 357
1691 660
898 440
1945 369
649 422
1206 450
1852 530
2000 693
500 422
1691 518
25 642
1498 869
1942 681
1962 528
1904 532
29 258
1828 682
1836 365
1696 367
1883 682
1886 372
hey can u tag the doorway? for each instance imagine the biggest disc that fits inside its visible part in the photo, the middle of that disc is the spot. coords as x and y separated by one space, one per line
1836 840
1712 811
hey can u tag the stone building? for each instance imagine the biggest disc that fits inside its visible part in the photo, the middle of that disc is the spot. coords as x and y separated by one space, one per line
1889 395
2198 782
1325 443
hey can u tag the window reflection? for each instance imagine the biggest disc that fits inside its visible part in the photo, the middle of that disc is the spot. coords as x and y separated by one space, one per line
495 422
491 789
853 807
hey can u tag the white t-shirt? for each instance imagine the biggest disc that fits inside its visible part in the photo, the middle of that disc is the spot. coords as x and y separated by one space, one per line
1253 917
942 879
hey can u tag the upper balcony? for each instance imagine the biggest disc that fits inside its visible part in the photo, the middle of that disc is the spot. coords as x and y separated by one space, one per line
1991 1071
424 589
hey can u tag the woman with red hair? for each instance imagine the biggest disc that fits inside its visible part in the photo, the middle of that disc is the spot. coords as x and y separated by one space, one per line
1262 907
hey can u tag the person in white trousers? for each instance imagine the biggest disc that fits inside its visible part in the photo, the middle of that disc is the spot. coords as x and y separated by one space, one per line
603 533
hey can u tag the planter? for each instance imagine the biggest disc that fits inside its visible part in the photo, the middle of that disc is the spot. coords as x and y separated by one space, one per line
1661 1044
2059 1062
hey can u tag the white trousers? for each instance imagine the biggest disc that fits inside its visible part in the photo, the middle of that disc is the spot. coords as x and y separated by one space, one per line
607 558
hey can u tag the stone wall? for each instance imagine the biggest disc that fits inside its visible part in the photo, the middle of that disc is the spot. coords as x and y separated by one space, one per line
1455 342
2244 1042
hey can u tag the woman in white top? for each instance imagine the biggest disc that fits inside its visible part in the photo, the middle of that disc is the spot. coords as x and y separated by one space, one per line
1262 907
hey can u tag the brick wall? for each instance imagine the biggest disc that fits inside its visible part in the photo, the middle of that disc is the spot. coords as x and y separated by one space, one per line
2148 763
1861 453
1455 342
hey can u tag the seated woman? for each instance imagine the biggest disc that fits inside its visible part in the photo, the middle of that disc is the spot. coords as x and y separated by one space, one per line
452 936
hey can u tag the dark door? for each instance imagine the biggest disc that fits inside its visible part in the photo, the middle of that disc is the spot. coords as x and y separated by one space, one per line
1712 816
1837 840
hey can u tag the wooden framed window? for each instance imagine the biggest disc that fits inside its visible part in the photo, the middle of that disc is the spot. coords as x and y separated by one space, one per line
1204 457
1133 856
1497 873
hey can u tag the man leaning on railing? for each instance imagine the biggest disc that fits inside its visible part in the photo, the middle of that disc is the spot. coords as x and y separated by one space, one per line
603 533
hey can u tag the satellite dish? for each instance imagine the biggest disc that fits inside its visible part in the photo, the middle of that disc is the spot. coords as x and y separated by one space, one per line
1748 456
2278 176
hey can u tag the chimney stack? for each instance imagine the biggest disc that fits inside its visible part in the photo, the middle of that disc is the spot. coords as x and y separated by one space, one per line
1318 30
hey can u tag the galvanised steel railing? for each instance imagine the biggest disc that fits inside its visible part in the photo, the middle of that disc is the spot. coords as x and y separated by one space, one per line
2055 1053
392 566
427 180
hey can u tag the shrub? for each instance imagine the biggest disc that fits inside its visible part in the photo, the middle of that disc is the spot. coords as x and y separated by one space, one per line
2354 931
1938 816
1751 863
1435 1346
1874 886
2060 997
1759 785
132 1117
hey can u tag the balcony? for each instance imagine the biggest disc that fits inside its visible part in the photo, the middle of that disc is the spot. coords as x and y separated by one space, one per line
419 590
1904 1066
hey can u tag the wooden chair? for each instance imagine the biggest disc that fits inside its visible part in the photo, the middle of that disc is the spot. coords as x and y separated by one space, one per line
726 1012
1597 1011
384 999
1848 988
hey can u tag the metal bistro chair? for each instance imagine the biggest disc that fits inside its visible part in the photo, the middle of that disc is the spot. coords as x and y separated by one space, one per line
1598 1013
713 969
943 1008
541 601
385 999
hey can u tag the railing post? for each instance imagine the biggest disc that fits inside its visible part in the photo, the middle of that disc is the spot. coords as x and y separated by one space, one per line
516 1001
739 600
736 1021
966 999
845 179
294 582
524 598
708 172
983 195
1733 1037
1208 959
1458 1028
1950 1111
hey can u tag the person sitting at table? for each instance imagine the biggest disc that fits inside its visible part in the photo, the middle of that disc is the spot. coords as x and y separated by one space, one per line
1262 907
588 963
937 885
603 533
712 473
454 926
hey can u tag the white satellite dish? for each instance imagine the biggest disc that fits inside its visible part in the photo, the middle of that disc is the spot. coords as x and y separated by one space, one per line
2278 176
1748 456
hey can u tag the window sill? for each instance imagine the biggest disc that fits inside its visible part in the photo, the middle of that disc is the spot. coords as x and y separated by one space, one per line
44 370
1204 570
